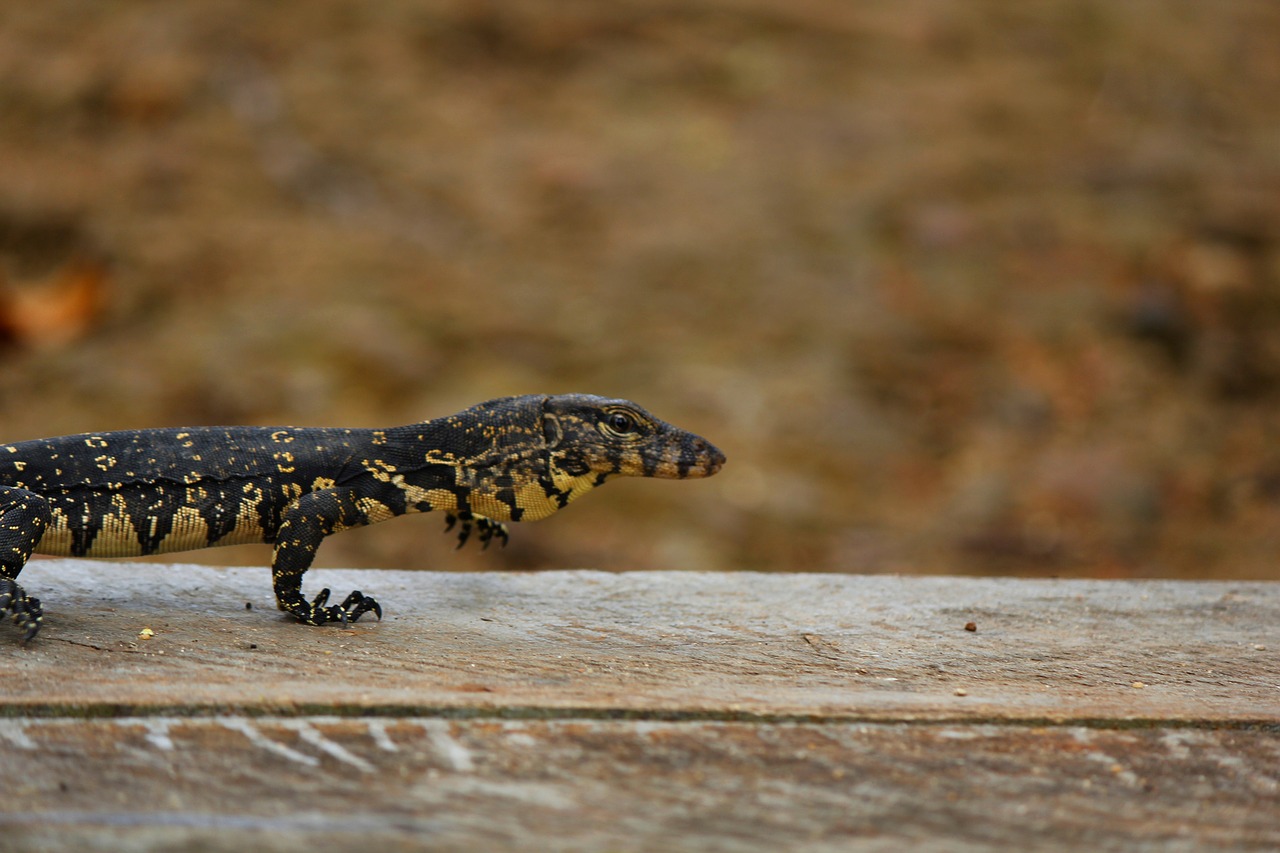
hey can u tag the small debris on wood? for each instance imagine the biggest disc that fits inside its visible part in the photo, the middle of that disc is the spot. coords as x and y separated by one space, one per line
971 626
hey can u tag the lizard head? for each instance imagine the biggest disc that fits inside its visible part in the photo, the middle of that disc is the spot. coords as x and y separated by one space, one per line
590 438
524 458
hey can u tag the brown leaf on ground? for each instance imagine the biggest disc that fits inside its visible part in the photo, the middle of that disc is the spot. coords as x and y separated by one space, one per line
55 311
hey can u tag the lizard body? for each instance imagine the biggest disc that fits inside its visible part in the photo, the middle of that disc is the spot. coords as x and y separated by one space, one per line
131 493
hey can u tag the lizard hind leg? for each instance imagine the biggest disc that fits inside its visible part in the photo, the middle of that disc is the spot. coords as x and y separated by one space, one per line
24 516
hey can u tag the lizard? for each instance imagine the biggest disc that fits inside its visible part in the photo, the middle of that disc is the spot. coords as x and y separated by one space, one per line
137 492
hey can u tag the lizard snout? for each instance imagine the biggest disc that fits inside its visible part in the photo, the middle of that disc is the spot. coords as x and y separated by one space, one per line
712 458
688 457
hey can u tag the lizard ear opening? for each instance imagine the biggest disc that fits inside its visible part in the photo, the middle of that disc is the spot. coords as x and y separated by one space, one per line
552 432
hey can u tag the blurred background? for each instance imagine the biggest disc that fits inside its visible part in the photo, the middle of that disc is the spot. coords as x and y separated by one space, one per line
973 287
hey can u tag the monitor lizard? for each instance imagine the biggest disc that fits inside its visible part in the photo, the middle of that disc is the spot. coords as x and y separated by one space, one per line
131 493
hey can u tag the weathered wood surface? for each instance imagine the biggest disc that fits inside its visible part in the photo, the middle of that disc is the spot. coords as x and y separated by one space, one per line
581 710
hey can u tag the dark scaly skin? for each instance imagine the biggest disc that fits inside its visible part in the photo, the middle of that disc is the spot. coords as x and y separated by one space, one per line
127 494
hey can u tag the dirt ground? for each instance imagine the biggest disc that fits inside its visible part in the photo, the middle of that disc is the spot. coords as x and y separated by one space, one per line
982 288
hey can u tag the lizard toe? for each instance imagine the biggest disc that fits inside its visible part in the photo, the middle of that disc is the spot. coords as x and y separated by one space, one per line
32 619
23 609
357 604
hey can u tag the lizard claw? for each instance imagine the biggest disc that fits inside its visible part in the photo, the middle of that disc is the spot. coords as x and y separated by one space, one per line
490 530
315 612
464 532
357 604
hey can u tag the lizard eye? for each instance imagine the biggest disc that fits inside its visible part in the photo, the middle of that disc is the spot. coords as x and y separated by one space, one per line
621 423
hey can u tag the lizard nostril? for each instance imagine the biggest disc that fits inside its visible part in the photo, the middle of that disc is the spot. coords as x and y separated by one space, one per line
701 458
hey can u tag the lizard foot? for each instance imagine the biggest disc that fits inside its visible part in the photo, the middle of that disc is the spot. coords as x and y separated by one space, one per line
315 612
25 610
487 527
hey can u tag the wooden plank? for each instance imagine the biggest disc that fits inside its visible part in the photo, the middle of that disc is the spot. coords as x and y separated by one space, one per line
581 711
673 644
321 784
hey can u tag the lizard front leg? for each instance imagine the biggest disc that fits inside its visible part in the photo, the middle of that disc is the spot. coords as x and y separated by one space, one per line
305 524
489 529
24 516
